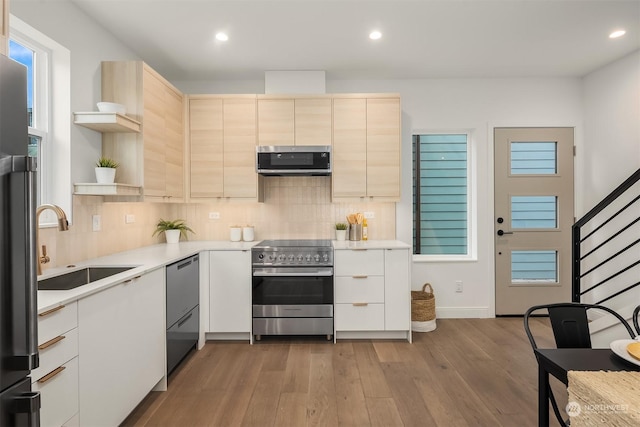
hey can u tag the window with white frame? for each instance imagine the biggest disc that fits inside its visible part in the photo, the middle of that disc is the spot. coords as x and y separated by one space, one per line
35 59
441 194
49 99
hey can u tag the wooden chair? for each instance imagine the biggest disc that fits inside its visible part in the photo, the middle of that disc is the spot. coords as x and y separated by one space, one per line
570 327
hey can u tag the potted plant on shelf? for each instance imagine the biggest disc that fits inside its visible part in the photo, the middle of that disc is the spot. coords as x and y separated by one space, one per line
341 231
172 230
106 170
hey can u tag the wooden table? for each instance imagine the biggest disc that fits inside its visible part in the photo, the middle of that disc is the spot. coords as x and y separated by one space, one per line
604 398
559 361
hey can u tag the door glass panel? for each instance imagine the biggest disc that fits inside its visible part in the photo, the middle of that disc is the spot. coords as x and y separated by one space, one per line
534 266
533 158
534 212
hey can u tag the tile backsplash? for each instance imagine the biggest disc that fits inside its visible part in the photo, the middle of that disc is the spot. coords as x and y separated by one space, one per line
294 208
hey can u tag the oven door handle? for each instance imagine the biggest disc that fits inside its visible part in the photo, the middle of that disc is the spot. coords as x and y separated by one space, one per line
292 272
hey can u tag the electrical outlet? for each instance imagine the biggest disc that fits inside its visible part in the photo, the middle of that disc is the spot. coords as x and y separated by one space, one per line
96 223
214 215
370 215
129 219
458 285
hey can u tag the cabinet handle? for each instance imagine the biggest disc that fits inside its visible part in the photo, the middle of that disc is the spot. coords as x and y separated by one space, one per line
53 310
360 304
51 342
359 249
51 374
185 320
360 276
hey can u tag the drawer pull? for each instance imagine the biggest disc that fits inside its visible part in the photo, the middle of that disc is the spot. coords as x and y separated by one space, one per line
53 310
51 342
185 319
360 276
52 374
358 249
360 304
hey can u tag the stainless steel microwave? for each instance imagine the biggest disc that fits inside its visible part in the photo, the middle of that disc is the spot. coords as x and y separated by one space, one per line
280 160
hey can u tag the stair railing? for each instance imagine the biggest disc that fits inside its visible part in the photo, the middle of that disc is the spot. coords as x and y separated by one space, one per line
632 210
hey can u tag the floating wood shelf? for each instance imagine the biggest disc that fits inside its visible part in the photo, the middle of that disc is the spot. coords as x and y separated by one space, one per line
95 189
106 122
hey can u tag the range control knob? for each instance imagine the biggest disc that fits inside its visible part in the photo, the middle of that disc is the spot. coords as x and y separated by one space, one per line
325 257
261 256
317 258
271 258
300 258
308 258
281 257
292 258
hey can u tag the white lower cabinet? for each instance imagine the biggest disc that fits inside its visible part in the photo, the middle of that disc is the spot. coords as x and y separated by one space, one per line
58 394
372 293
122 348
56 378
230 293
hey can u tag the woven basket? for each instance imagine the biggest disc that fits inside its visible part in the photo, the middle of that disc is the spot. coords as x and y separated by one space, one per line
423 304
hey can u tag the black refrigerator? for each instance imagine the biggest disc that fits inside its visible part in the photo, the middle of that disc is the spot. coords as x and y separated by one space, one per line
19 406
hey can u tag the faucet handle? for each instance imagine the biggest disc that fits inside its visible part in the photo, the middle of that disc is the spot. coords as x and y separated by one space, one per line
44 258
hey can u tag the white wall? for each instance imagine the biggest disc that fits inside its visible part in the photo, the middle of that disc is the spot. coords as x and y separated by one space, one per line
608 98
449 104
89 44
612 129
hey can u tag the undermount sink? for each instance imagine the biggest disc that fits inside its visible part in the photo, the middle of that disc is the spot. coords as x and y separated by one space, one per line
76 278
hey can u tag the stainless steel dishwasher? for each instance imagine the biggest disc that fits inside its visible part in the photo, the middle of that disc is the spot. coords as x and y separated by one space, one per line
183 316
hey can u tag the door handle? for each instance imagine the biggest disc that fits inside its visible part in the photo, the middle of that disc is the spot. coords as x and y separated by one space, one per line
502 232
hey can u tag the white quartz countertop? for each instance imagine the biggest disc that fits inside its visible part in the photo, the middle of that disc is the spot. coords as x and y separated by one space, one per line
149 258
143 260
369 244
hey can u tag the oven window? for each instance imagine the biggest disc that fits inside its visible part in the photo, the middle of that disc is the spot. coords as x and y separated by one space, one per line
292 290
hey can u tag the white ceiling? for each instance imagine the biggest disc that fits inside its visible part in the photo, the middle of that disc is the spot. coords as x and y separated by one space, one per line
421 38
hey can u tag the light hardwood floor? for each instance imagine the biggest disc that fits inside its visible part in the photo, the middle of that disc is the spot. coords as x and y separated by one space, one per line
468 372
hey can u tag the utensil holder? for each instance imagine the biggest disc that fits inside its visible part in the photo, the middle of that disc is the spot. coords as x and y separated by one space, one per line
355 232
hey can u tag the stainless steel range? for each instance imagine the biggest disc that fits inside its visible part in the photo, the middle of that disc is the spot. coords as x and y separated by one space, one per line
292 290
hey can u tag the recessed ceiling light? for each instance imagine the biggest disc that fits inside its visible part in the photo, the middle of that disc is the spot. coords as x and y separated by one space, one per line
375 35
616 34
222 37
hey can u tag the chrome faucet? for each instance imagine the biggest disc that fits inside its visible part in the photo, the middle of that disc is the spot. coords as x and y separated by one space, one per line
63 225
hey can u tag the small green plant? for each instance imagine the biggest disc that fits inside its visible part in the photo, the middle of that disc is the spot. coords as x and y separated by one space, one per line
176 224
105 162
341 226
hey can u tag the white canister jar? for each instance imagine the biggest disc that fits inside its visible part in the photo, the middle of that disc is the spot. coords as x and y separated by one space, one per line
235 234
247 234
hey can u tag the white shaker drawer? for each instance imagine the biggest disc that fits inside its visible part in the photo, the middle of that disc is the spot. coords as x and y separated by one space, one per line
56 352
359 317
359 289
59 395
56 321
358 262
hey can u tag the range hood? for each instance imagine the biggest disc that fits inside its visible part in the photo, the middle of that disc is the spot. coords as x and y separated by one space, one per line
293 160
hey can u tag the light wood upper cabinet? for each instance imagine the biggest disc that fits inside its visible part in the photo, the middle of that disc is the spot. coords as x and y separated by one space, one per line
206 146
313 121
349 177
276 123
153 158
366 147
223 147
383 148
4 27
294 121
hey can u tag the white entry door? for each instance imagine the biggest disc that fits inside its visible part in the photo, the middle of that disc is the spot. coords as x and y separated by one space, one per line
533 185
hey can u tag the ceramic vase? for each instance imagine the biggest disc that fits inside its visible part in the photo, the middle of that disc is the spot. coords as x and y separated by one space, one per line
105 175
172 236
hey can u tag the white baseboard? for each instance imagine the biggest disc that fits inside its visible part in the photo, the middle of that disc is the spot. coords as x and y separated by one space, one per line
463 313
